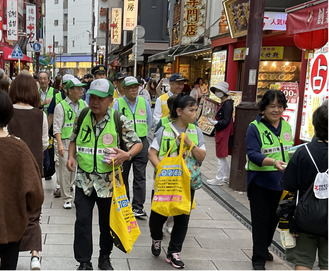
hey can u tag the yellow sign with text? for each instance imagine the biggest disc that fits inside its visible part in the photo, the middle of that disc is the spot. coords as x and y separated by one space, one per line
266 53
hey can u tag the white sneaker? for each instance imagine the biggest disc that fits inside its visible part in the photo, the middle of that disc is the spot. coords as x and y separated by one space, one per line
226 179
67 205
215 182
35 263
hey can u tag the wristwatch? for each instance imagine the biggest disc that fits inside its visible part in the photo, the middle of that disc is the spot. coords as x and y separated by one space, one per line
130 156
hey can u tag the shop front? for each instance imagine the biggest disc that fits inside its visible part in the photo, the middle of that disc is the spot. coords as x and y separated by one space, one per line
77 65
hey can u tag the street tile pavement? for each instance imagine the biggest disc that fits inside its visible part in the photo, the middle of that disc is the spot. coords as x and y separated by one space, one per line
215 240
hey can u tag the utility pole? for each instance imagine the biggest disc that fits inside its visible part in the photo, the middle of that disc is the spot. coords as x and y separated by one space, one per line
247 110
37 54
92 36
107 37
53 56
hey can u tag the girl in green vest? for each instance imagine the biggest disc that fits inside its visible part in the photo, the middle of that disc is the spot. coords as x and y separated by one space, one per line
183 115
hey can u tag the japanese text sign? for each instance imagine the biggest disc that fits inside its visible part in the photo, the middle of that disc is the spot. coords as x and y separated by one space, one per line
275 21
30 25
130 14
116 26
267 53
12 20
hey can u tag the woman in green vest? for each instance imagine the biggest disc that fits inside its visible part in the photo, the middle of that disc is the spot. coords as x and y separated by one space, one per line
183 115
268 140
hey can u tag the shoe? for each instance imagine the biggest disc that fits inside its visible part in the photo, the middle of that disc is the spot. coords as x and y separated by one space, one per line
35 263
226 179
85 266
215 182
67 205
156 247
57 193
269 257
258 266
168 229
104 262
175 260
139 212
48 178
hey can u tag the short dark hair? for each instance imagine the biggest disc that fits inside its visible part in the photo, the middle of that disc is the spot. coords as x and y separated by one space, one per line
320 121
6 109
24 89
4 84
270 96
182 100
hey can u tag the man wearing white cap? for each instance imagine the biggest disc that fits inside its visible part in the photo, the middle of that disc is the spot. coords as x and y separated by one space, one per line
64 117
138 110
97 131
223 124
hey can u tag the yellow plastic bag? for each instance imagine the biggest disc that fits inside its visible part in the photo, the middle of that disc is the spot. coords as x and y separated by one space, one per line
123 225
172 188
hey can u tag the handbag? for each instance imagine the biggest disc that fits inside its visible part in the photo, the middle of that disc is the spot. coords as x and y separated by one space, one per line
312 208
172 189
123 225
194 170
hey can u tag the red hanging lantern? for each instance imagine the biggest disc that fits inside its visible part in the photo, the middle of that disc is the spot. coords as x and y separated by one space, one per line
311 40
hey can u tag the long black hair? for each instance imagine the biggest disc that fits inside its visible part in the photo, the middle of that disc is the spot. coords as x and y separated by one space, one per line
182 100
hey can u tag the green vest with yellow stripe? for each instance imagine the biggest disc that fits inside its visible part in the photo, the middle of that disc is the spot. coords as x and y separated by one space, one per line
49 95
90 149
69 117
275 147
168 137
140 116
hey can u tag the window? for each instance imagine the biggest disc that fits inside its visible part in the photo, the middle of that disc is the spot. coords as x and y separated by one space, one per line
56 2
56 23
73 21
72 43
56 44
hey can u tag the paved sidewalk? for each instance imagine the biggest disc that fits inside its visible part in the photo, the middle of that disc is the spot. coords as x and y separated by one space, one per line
216 240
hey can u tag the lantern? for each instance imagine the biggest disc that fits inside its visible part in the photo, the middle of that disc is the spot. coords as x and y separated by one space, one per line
311 40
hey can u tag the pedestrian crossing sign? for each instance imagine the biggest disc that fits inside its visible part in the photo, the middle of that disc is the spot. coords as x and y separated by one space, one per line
17 52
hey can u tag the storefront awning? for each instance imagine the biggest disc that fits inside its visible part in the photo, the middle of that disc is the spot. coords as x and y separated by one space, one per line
158 56
7 51
307 17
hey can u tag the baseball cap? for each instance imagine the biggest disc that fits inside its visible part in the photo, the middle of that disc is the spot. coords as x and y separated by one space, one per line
99 69
128 81
66 78
121 75
177 77
74 82
101 88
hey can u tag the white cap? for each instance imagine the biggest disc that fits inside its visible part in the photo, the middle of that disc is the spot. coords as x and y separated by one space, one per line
67 77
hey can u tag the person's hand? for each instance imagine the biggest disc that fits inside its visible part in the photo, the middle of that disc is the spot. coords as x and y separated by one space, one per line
280 165
212 121
60 149
47 101
71 165
119 157
187 140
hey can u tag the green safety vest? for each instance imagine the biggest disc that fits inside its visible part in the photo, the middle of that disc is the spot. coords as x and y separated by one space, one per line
90 149
49 95
58 98
168 137
69 117
139 117
272 146
164 120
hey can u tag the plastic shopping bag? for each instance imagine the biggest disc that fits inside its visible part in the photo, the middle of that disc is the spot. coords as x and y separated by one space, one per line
123 225
172 189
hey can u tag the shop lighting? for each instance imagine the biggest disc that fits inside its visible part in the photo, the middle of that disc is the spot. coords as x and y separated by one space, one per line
207 58
287 63
274 64
265 63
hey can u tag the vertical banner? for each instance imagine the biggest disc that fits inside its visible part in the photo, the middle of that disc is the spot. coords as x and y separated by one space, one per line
194 20
116 25
30 26
316 90
12 20
218 67
1 20
130 14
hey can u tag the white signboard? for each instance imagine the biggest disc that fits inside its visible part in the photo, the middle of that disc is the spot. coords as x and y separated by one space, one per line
116 26
30 26
194 20
130 14
275 21
12 20
316 90
218 67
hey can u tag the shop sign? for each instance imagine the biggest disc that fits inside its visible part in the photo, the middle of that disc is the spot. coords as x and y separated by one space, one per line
210 108
116 26
267 53
185 70
130 14
275 21
218 67
307 19
316 90
30 26
12 20
194 20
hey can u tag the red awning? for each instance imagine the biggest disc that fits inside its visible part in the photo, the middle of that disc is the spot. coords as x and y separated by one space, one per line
307 17
7 51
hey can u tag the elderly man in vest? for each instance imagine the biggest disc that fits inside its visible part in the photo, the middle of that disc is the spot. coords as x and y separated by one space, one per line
137 109
98 130
64 116
46 92
176 81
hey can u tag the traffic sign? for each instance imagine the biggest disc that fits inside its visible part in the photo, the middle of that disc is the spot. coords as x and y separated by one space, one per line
138 49
138 58
139 31
139 41
36 46
17 52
